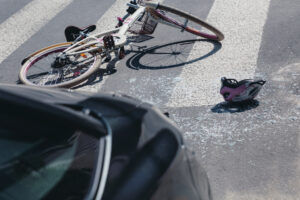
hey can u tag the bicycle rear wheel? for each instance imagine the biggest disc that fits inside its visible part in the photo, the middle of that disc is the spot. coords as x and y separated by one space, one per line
37 69
186 22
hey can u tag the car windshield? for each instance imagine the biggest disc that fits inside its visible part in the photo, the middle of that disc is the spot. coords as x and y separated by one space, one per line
49 167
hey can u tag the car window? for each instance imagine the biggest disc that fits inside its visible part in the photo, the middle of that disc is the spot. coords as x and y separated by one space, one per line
37 167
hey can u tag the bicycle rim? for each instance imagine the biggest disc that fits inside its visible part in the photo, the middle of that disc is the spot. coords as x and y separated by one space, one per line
37 70
187 22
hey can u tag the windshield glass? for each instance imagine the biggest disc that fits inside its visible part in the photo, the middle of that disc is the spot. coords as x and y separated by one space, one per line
50 167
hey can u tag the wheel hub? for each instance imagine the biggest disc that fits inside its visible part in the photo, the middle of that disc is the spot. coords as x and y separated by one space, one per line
60 61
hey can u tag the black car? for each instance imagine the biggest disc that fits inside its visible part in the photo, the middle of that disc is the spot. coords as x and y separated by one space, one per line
58 144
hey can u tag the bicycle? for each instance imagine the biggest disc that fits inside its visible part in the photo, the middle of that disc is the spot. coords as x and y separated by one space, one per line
70 63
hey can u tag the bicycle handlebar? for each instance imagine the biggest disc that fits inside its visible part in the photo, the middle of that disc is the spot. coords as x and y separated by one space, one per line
133 5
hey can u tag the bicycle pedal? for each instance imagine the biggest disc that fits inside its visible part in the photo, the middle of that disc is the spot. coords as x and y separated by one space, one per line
121 53
109 42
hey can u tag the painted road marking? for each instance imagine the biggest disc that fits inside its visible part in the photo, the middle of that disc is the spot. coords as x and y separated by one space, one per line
23 24
242 23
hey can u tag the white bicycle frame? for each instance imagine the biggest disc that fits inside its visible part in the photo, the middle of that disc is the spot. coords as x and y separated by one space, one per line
95 42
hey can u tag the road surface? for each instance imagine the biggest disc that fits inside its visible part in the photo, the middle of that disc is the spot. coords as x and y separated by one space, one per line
250 151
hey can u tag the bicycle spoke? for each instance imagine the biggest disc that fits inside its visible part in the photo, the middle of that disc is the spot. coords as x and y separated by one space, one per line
41 73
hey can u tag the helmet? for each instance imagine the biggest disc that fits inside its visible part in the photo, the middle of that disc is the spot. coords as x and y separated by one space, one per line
237 91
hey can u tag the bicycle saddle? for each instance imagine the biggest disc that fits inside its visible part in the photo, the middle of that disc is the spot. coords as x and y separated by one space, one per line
72 32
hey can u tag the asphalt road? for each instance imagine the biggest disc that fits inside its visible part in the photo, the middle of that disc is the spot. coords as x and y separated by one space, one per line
249 151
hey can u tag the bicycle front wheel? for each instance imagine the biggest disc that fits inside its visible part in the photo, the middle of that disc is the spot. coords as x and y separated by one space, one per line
186 22
37 70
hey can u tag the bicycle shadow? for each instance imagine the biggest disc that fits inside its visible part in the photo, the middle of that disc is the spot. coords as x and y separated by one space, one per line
97 77
133 62
227 107
176 53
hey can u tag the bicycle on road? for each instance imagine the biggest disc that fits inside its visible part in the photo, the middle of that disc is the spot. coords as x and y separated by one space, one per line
70 63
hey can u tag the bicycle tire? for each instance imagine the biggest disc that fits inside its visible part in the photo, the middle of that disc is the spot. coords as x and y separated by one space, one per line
218 34
43 54
43 49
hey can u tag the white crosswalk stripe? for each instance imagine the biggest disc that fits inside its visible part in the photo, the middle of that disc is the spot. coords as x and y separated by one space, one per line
26 22
242 23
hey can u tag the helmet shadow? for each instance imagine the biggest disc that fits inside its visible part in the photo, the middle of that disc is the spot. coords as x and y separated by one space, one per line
230 107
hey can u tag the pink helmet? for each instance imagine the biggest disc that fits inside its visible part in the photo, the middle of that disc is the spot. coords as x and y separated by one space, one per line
234 91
